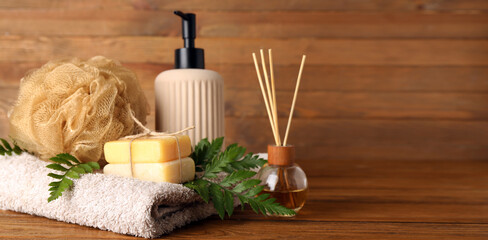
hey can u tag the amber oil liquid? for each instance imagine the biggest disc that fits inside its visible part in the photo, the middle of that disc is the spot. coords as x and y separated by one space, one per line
292 199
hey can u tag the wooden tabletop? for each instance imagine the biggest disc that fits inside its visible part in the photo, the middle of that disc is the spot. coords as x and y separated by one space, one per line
347 199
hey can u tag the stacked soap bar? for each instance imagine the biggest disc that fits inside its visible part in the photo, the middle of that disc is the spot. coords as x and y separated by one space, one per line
153 159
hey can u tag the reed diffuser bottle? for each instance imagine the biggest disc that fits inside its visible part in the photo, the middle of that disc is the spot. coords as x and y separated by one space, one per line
283 179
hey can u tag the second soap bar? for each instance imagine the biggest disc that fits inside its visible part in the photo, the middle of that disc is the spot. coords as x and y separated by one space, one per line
148 150
174 171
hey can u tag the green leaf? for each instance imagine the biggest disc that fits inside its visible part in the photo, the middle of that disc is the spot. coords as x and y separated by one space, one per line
17 150
215 166
93 165
78 169
235 152
270 206
58 167
255 191
218 199
68 156
64 184
262 197
200 152
245 185
254 206
201 187
74 171
250 161
220 162
6 148
61 160
51 198
206 151
6 144
243 200
228 202
214 148
66 181
72 174
236 176
86 167
55 176
54 184
211 161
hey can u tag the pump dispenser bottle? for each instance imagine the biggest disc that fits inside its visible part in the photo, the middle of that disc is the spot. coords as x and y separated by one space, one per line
190 95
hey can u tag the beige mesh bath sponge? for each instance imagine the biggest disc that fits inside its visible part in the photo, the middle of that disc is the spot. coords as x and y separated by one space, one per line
76 106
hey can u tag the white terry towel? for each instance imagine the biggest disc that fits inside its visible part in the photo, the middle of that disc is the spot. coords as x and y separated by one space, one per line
118 204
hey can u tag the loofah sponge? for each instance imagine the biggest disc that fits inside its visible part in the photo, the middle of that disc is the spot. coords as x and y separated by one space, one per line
76 106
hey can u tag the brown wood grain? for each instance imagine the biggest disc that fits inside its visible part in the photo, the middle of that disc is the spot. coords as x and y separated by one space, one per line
368 139
354 105
374 199
360 139
460 79
390 124
430 52
252 5
245 24
360 98
407 131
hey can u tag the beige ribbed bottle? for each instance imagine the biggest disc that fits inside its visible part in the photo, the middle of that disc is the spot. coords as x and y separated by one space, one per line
190 97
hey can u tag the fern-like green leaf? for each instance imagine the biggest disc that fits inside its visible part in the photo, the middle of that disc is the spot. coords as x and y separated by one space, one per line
93 165
236 176
86 167
246 185
214 148
228 202
216 165
250 161
58 167
72 174
6 144
61 160
205 151
55 176
201 187
217 199
68 156
72 169
17 150
255 191
6 148
211 161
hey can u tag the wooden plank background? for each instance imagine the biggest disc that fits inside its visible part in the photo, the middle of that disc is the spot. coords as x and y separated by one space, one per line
384 79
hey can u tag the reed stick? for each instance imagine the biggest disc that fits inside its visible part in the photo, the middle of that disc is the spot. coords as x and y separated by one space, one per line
294 100
270 96
265 97
273 90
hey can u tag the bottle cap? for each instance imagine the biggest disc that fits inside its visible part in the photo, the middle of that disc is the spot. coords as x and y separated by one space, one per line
189 56
281 155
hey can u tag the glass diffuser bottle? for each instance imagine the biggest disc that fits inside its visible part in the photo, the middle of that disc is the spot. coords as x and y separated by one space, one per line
283 178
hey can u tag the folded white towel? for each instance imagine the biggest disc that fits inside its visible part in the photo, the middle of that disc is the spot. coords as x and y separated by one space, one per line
122 205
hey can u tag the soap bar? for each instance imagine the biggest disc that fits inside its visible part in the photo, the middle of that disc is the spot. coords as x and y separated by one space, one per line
156 172
147 150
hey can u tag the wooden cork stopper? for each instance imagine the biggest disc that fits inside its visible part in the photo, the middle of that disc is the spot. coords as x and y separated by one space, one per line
281 155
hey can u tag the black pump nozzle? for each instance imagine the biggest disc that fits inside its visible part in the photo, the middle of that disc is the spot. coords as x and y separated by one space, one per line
189 56
188 28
